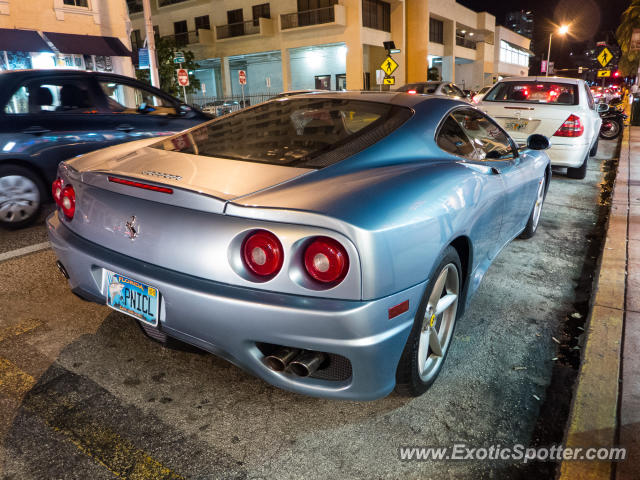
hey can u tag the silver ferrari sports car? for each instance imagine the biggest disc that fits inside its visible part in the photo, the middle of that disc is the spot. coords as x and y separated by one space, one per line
327 243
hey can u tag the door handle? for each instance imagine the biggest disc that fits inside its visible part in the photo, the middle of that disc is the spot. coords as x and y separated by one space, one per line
125 127
495 171
36 130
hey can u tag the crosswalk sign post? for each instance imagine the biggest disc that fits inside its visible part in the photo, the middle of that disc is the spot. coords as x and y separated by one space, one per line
389 66
604 57
389 80
604 73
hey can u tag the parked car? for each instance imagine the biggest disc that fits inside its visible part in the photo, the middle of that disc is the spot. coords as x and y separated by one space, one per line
434 88
560 108
221 107
327 244
292 93
51 115
478 96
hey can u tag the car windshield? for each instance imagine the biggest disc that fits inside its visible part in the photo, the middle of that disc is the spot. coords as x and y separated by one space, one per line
297 132
534 92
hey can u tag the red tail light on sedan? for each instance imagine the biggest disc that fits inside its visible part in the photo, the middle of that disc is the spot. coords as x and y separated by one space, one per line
326 261
262 253
572 127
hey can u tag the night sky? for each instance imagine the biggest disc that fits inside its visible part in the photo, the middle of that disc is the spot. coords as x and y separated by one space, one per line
589 20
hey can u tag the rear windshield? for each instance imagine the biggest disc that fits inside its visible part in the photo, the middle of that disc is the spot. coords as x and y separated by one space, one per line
297 132
419 87
534 92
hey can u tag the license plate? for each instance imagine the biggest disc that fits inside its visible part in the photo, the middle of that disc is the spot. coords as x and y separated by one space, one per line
134 298
517 126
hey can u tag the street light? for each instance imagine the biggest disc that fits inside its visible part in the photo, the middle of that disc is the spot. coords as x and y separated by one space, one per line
561 31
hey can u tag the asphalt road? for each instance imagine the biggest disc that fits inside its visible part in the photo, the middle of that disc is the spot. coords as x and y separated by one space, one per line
84 394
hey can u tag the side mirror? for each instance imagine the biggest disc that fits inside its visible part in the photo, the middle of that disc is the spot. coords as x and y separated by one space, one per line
602 108
538 142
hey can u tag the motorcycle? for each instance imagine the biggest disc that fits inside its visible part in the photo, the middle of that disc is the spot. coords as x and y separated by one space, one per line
613 120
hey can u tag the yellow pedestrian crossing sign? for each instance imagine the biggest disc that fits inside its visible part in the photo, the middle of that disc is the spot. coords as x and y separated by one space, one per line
389 66
604 73
604 57
389 81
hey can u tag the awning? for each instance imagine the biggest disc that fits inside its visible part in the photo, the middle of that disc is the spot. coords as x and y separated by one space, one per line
13 40
88 44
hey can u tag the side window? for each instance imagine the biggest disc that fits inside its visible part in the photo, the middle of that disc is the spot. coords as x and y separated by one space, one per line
126 99
446 89
489 140
52 95
452 139
457 92
592 104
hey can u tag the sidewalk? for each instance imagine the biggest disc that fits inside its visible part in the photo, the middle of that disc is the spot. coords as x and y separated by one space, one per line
605 410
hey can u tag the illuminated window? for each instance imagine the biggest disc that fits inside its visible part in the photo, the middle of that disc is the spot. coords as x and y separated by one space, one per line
77 3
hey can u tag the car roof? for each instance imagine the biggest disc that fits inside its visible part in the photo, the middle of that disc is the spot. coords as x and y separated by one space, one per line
33 73
394 98
542 78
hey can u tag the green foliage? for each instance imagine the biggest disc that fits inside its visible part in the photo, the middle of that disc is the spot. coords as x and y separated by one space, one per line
630 20
165 49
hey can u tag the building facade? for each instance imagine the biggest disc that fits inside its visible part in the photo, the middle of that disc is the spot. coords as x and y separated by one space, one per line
76 34
322 44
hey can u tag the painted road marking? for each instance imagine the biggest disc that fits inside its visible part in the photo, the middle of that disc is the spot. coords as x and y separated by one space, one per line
24 251
13 381
19 329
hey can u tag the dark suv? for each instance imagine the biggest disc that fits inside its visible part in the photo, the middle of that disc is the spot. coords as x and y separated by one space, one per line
47 116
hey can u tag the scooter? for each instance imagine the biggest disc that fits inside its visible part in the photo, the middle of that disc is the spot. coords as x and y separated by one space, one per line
612 122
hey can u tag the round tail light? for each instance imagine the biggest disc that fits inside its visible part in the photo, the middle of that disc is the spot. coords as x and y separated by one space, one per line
56 191
326 260
68 201
262 253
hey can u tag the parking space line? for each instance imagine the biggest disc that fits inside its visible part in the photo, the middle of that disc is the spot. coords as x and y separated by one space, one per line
106 447
19 329
13 381
24 251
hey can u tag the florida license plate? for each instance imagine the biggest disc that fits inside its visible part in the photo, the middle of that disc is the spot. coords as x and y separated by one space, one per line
517 126
134 298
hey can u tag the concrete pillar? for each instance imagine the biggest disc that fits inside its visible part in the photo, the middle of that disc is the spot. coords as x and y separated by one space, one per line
417 40
225 73
353 40
285 59
398 35
449 59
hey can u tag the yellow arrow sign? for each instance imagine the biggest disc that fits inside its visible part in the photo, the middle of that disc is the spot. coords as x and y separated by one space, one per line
604 57
604 73
389 81
389 66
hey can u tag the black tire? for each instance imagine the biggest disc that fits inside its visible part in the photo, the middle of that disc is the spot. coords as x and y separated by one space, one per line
579 172
13 220
534 217
594 150
613 132
408 380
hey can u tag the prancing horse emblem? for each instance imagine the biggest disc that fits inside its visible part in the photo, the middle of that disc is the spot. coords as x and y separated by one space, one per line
132 228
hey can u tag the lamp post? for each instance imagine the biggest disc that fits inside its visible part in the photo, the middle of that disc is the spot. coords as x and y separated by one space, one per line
561 31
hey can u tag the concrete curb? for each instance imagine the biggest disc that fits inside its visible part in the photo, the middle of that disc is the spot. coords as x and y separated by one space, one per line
594 410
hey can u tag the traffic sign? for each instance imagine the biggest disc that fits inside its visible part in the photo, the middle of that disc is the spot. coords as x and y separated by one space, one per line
143 58
604 73
389 80
604 57
178 57
242 77
183 77
389 66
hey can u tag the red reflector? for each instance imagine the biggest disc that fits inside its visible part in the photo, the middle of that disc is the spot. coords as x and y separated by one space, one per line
398 309
145 186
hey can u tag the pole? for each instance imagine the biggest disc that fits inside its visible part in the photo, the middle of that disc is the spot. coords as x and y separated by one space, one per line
546 71
151 44
242 87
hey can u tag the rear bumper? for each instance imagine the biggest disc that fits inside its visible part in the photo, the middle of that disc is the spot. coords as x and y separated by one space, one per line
228 320
568 155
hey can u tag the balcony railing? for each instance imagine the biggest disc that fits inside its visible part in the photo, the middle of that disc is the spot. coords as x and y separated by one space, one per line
307 17
237 29
464 42
202 35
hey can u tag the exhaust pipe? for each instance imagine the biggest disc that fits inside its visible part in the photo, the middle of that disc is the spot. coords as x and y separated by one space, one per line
62 269
279 360
307 363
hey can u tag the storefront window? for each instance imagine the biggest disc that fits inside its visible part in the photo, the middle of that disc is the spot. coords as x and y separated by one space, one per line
19 60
